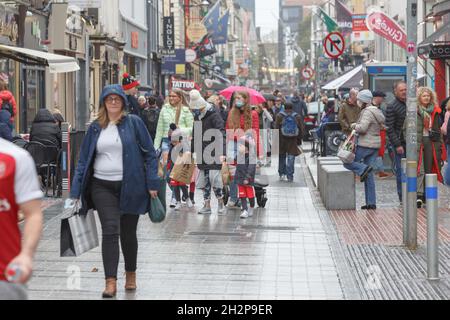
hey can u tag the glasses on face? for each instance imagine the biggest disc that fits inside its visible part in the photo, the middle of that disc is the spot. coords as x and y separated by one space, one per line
112 99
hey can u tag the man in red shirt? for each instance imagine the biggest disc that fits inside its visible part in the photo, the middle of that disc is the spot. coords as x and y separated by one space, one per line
19 189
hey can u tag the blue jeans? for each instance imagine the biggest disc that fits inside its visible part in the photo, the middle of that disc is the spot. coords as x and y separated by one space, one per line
398 172
286 165
234 191
364 157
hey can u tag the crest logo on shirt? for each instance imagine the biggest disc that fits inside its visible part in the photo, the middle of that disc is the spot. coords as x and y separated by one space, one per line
4 205
2 169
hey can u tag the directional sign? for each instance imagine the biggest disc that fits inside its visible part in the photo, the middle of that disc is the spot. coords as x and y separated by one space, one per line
307 73
334 45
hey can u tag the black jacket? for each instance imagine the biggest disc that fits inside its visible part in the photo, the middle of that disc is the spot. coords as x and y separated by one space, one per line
5 125
300 106
395 118
133 106
245 171
44 128
211 120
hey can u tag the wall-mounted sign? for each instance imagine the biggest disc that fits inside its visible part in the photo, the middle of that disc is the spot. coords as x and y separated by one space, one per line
169 33
191 55
196 31
170 64
8 26
386 27
135 40
186 85
440 51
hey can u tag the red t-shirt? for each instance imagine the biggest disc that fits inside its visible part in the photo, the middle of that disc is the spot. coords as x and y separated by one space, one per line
18 185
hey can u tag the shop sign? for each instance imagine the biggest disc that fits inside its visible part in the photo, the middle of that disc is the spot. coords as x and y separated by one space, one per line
440 52
169 33
8 27
196 31
386 27
186 85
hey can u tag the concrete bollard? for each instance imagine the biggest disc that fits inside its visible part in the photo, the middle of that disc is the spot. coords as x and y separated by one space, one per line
432 227
404 202
411 198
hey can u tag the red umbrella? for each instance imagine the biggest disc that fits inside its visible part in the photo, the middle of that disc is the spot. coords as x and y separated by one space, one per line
255 97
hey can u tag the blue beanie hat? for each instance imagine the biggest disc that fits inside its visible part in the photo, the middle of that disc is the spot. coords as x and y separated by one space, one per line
113 89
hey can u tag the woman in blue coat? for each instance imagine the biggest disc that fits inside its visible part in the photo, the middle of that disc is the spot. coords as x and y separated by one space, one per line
116 174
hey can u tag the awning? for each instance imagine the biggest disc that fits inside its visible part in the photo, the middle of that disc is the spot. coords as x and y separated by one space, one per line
351 79
56 63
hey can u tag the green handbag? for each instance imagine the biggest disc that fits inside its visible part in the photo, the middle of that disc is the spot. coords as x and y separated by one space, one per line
157 211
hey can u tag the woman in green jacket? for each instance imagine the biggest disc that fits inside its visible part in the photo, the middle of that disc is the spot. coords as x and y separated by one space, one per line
175 112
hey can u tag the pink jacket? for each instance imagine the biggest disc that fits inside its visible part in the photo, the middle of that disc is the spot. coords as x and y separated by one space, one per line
8 96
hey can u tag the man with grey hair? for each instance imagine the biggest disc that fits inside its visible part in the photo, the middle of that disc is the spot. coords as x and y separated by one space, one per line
349 112
395 118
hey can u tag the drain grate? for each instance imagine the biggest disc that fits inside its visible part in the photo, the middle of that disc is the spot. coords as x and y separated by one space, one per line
271 228
225 234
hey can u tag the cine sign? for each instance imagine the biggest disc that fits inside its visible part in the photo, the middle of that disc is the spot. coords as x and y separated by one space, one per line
438 52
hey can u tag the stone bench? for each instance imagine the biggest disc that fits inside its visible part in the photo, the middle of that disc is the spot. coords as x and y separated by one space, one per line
320 173
338 186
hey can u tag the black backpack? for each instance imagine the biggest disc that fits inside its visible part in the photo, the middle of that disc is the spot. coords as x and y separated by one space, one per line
6 105
151 116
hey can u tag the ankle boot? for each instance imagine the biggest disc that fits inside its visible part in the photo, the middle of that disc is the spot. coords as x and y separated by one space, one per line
110 288
130 282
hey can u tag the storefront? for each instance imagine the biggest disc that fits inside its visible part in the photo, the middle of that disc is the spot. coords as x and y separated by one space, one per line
135 50
9 68
105 66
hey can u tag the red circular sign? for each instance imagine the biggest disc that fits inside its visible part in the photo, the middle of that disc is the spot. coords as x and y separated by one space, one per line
307 73
334 45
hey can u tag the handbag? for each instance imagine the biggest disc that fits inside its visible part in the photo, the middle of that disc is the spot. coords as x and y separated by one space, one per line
226 175
346 150
78 233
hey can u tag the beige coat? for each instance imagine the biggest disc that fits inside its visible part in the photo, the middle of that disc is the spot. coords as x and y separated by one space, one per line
370 122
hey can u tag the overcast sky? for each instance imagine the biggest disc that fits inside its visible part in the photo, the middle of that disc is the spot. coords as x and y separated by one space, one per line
267 15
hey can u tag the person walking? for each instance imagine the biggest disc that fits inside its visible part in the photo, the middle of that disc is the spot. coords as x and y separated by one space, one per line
291 129
150 116
45 129
429 140
208 121
245 175
5 125
241 120
19 191
116 177
175 112
7 101
349 112
219 106
299 104
368 141
130 86
395 118
265 133
445 129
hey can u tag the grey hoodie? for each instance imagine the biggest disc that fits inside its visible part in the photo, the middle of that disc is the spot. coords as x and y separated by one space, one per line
370 122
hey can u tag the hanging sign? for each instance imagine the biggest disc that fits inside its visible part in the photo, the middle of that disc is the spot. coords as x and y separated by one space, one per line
386 27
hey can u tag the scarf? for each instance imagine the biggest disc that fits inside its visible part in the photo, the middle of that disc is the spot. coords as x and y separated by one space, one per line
425 113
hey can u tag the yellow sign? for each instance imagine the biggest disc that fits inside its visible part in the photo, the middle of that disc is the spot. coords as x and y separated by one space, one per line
180 69
196 31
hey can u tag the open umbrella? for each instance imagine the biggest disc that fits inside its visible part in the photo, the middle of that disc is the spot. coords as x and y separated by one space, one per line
255 96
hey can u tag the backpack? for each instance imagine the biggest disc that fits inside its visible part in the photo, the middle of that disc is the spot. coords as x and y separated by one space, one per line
151 116
289 126
6 105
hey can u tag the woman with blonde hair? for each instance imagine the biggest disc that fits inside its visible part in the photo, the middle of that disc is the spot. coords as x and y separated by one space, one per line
242 120
429 140
177 114
446 132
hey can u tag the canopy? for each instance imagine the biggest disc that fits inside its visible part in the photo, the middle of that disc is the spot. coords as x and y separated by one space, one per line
351 79
56 63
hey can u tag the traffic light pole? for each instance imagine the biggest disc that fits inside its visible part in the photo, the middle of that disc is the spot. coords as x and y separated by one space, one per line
411 124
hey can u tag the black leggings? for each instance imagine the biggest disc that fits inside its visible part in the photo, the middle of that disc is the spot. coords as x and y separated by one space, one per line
178 189
106 196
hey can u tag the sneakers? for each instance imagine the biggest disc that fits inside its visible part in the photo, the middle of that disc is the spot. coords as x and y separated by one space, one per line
221 209
244 215
369 207
232 205
178 206
250 212
282 178
366 173
206 208
290 180
173 203
189 203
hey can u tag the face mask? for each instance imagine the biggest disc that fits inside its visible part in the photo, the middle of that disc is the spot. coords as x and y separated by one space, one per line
239 104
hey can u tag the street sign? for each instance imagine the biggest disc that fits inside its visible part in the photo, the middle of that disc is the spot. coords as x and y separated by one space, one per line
307 72
334 45
191 55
